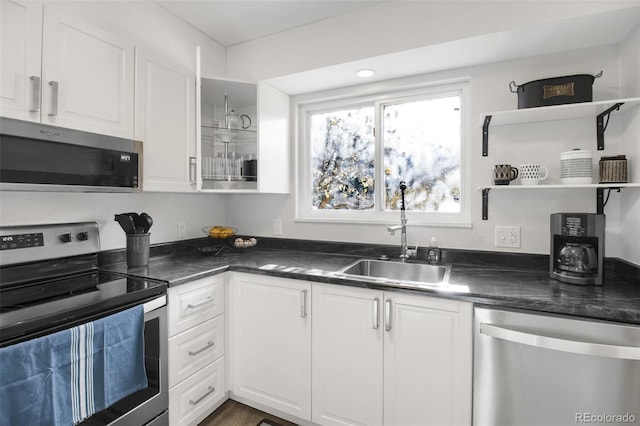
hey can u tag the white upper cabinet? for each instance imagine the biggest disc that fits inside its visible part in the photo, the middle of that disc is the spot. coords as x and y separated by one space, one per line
87 72
165 122
20 52
243 137
60 66
273 139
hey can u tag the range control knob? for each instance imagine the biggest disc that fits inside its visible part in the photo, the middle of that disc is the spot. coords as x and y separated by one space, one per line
82 236
65 238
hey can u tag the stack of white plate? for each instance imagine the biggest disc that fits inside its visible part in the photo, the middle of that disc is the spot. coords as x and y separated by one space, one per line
576 167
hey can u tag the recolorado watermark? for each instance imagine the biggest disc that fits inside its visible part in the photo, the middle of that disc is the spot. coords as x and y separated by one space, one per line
605 418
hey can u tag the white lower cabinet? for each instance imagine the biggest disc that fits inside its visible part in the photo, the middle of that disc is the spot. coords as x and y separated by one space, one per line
197 374
390 358
193 399
270 342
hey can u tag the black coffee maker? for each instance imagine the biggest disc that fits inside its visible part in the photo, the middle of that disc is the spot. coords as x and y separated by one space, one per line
577 248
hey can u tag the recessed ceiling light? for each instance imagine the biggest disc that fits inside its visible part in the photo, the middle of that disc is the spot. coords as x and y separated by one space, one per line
365 73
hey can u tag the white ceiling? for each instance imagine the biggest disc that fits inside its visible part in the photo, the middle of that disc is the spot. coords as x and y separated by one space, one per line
230 22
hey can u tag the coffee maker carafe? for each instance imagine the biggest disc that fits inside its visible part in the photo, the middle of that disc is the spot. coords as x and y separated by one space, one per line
577 248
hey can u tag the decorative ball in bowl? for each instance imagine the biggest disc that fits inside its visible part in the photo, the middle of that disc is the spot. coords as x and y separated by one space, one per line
219 232
244 242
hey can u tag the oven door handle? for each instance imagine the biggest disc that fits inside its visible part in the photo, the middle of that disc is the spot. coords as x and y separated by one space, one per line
154 304
558 344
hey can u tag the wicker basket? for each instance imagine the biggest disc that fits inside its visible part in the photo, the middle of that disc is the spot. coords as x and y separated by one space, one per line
613 169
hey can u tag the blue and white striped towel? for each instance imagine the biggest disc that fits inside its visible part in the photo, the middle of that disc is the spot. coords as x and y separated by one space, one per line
65 377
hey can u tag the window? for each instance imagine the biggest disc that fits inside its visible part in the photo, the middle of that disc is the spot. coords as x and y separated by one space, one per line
353 154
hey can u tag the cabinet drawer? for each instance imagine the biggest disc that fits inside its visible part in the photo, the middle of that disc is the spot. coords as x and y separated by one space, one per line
194 303
195 398
195 348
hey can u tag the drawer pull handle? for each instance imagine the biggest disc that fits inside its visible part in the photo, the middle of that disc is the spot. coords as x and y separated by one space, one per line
207 393
209 345
199 304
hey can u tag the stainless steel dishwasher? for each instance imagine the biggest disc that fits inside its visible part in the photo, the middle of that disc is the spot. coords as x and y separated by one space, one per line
534 369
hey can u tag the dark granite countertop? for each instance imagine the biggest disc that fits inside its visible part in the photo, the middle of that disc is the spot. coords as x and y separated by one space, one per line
499 279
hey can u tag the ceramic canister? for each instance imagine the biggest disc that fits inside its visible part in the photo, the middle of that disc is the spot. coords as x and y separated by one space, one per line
576 167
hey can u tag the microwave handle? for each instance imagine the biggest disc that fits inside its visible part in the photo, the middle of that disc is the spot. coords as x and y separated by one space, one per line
558 344
35 96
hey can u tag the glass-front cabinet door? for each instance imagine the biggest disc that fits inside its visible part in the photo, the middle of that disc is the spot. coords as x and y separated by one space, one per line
228 135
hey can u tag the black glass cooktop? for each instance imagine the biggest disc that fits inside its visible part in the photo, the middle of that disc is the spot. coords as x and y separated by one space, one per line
47 305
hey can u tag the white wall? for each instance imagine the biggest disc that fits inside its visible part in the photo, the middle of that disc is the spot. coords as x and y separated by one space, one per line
151 25
542 143
196 210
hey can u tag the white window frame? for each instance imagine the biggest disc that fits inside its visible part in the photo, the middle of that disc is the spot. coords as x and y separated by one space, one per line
307 105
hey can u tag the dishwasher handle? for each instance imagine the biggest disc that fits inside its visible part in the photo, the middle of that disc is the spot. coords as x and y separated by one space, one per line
558 344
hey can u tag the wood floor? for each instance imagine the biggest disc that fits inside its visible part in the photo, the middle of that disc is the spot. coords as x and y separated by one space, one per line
232 413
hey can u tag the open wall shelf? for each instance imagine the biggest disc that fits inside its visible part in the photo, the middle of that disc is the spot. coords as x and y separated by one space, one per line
599 110
601 201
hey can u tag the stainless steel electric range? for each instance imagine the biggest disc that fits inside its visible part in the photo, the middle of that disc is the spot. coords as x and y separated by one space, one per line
50 281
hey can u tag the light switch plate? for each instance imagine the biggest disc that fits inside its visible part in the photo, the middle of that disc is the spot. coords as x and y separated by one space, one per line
507 236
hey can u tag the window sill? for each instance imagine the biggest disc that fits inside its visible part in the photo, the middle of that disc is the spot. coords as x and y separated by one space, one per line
386 219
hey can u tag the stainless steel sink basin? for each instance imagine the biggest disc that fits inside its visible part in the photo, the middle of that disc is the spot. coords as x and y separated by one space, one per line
398 274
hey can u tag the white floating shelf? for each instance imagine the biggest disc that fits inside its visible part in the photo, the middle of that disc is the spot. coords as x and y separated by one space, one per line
599 187
557 112
560 186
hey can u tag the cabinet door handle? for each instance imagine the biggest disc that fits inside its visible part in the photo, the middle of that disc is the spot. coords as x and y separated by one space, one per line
303 304
54 98
387 315
209 391
376 313
35 97
199 304
192 169
209 345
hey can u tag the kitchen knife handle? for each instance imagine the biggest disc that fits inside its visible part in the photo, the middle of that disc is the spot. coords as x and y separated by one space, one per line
209 391
54 98
209 345
35 96
387 315
303 304
376 313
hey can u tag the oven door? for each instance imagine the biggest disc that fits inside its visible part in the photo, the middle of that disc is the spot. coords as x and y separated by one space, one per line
149 405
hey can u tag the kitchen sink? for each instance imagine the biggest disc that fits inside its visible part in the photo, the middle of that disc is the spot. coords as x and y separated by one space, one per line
396 274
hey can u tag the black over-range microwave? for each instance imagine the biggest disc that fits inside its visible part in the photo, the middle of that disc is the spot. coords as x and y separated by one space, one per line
39 157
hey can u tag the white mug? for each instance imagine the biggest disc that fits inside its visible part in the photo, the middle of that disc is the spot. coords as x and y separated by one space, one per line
531 174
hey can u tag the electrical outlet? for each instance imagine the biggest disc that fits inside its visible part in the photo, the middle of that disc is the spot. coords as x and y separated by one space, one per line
277 226
182 229
507 236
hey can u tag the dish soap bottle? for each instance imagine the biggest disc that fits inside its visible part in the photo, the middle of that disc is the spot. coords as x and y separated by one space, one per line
433 252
